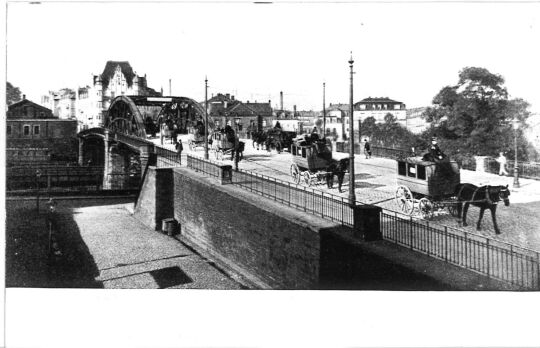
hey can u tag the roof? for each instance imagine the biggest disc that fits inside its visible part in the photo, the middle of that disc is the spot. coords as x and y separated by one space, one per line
418 160
110 67
370 100
28 102
263 109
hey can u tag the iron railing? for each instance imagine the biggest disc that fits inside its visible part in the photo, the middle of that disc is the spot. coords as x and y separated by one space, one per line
167 158
498 260
53 177
207 167
492 258
525 169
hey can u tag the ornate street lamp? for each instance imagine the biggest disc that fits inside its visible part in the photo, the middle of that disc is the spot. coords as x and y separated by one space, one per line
205 118
352 195
515 124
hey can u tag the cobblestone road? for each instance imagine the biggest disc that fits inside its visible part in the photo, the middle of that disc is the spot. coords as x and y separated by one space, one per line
375 183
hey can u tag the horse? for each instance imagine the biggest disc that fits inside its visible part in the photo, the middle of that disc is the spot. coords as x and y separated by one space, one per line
337 168
258 138
484 197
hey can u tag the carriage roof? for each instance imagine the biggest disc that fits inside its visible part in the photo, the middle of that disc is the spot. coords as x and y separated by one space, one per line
420 161
311 156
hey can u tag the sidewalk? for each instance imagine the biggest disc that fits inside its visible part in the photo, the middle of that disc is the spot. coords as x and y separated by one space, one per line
103 246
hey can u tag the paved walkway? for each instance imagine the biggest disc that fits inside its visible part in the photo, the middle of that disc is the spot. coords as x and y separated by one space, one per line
102 245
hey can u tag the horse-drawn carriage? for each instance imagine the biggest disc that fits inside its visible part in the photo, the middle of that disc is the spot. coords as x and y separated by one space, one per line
425 187
226 143
196 139
313 163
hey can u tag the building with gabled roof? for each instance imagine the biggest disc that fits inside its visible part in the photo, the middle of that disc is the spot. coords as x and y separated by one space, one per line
90 103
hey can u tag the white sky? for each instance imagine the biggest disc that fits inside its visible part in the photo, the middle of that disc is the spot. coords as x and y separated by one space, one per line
404 51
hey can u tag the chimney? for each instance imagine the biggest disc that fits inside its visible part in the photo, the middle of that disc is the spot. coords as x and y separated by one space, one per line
24 96
294 108
232 97
269 102
281 99
228 96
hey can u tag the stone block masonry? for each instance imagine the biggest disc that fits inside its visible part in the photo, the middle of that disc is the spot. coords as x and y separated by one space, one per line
155 201
272 245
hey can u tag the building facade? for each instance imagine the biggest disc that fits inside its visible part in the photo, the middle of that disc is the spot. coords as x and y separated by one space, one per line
243 117
415 122
89 104
34 134
378 108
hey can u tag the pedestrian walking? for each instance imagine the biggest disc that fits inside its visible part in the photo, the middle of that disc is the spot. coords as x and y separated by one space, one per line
367 149
179 148
502 164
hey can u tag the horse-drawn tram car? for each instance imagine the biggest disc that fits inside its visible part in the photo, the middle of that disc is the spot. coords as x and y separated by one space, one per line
312 162
425 187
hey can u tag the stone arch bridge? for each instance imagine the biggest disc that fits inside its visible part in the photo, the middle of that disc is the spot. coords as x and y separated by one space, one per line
122 146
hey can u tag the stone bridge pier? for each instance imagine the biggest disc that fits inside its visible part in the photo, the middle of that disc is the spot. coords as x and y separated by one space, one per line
124 162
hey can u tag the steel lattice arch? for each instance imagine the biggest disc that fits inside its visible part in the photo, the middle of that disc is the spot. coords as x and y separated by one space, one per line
141 115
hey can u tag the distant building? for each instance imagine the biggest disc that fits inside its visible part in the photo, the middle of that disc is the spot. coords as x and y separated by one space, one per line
415 122
378 108
89 104
33 133
244 117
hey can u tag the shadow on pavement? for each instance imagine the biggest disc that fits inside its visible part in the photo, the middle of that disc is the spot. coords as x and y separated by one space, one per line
30 262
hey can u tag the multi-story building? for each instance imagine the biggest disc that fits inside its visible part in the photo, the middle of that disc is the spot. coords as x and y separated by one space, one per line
415 122
244 117
378 108
33 133
89 104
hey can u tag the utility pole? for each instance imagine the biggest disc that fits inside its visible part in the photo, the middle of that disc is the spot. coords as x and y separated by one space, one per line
516 168
324 109
352 195
205 117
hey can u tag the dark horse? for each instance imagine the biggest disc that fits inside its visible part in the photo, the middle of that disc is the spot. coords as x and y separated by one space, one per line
484 197
337 168
259 138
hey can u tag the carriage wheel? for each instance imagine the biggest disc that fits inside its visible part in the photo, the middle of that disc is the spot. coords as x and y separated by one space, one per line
307 178
425 208
404 199
295 173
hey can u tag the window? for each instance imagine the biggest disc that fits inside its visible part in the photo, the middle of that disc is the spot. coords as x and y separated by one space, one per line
36 130
42 114
412 170
421 172
402 168
8 129
26 130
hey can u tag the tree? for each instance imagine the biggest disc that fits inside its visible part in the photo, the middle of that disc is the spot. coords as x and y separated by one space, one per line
369 127
13 94
476 113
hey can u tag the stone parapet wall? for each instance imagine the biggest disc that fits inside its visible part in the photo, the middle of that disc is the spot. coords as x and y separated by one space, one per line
269 242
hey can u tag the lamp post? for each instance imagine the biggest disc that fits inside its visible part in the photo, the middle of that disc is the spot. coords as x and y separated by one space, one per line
205 118
515 124
38 175
324 109
352 195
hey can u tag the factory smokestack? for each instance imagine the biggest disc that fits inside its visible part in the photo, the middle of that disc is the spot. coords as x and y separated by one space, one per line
281 99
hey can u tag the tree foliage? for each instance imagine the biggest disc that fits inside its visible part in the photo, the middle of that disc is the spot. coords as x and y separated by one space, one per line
477 115
13 94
